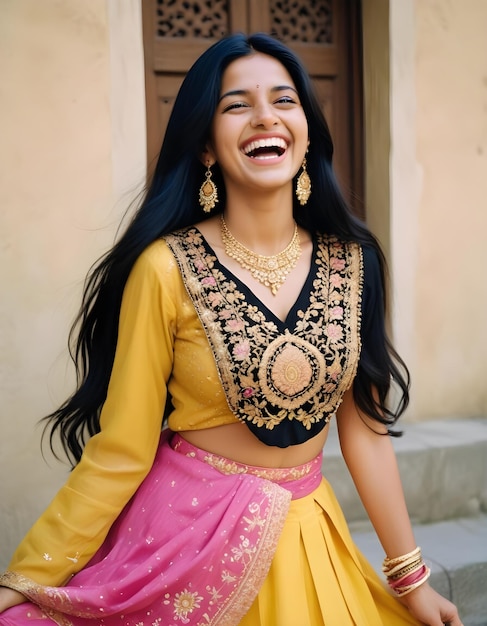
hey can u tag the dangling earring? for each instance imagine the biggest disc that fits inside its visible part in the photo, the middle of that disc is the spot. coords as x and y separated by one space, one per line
208 192
303 185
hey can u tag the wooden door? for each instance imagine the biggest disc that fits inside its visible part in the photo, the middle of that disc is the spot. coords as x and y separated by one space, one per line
324 33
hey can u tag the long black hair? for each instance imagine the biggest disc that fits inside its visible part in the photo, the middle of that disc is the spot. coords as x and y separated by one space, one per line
171 202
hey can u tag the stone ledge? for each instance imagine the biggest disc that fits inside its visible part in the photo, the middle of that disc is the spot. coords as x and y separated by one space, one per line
443 466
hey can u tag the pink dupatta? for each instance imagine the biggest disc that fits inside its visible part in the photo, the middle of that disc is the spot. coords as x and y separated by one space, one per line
193 546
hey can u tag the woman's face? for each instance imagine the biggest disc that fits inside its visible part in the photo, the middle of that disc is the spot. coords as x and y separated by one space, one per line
260 131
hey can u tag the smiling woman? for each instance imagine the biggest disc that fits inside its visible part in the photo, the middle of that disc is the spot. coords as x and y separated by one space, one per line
216 341
259 136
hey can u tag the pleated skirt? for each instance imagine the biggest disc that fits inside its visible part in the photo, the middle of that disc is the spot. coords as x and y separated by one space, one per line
318 576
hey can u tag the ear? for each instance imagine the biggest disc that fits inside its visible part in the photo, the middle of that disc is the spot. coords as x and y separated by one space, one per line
207 157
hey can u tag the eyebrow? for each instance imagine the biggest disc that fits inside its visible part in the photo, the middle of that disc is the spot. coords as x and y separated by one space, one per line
245 92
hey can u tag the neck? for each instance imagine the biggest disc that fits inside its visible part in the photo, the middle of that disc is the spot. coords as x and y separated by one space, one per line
269 269
265 226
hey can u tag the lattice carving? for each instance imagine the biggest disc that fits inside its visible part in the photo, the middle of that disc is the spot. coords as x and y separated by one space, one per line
182 18
307 21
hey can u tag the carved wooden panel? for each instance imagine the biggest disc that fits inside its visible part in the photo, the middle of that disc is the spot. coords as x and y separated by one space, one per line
180 18
307 21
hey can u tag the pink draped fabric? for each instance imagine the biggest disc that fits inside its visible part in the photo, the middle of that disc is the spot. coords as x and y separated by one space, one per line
193 546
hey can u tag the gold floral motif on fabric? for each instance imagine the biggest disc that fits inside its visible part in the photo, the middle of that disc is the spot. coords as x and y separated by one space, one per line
226 466
270 375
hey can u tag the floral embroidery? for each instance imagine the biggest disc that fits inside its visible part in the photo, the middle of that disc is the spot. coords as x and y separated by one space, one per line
215 595
242 350
243 550
270 377
256 521
336 313
337 264
278 474
227 577
184 603
334 332
245 563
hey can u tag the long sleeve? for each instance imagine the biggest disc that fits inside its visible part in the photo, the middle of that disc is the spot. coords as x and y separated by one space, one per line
116 460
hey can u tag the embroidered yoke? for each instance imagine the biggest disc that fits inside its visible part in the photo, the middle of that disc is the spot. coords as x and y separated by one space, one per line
283 383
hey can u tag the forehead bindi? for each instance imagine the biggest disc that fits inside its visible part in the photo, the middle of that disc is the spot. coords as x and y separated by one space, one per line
255 72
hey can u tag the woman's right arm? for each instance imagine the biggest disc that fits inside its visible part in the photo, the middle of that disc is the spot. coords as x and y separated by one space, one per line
116 460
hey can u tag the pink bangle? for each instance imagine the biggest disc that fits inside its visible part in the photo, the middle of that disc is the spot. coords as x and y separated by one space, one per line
403 588
410 579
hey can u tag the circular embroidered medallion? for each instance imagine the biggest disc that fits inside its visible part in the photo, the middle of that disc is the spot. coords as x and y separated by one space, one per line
291 371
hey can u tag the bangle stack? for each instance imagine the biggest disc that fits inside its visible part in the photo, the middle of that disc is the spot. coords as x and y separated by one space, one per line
407 572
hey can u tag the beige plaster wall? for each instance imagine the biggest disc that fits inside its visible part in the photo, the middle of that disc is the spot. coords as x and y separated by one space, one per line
451 266
405 183
438 191
72 153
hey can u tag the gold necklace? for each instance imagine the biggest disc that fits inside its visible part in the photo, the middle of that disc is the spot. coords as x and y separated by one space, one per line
271 271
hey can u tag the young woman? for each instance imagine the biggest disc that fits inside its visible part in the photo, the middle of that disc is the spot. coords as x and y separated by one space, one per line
243 308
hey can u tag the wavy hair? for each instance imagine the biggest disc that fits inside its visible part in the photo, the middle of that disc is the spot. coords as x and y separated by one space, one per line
170 202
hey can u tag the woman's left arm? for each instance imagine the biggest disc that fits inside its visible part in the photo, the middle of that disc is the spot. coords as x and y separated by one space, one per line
371 460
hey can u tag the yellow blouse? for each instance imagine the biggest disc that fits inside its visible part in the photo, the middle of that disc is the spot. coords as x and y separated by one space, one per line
160 339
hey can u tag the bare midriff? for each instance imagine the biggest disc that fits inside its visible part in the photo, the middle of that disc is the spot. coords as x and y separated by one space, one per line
236 442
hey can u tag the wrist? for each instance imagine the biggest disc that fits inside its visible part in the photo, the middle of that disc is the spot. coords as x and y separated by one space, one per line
10 597
406 573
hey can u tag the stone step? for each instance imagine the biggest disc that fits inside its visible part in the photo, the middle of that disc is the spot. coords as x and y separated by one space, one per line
443 466
456 551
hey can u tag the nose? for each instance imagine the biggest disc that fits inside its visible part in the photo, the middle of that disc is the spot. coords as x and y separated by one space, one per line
264 115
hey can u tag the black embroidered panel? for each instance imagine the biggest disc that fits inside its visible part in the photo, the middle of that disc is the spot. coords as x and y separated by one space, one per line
285 385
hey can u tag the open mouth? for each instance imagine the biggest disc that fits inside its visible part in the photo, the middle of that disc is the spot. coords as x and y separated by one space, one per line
265 148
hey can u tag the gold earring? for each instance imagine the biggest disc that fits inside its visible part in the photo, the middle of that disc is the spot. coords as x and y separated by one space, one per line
303 185
208 192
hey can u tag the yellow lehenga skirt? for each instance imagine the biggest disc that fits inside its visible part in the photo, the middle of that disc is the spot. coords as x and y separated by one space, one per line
318 577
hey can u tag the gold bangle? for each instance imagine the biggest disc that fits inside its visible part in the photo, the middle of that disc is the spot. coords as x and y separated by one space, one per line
406 571
402 567
401 559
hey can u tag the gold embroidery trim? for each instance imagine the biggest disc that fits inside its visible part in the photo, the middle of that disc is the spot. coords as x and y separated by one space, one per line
242 597
40 595
278 474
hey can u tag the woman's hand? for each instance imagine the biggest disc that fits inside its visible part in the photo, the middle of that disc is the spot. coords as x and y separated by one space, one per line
9 598
430 608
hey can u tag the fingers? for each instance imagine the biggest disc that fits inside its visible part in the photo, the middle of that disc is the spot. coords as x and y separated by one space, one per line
456 621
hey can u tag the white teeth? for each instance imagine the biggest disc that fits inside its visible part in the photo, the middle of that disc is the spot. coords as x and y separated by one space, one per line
271 142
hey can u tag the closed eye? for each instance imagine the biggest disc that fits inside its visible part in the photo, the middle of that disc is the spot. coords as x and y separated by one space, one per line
235 105
286 100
